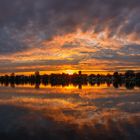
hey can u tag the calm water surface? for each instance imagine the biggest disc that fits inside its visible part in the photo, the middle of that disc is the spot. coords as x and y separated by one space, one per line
69 113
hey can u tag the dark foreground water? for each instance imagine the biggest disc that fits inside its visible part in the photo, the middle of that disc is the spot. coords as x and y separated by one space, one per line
69 113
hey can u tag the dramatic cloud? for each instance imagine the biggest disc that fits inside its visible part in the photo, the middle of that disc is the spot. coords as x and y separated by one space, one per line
75 32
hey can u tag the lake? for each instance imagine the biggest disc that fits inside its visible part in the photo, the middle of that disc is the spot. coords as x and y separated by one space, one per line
83 112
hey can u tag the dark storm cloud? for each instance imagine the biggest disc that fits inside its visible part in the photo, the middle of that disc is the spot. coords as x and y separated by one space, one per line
128 53
7 66
10 44
62 16
132 49
40 63
67 13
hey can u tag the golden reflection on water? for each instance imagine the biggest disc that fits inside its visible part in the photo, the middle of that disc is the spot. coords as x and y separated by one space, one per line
70 86
72 111
90 110
90 105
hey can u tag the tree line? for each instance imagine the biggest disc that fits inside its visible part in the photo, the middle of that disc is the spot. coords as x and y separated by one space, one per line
129 78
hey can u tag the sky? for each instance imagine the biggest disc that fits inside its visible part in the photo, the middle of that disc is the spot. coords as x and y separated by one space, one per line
61 35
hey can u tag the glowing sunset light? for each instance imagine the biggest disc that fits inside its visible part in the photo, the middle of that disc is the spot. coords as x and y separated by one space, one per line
70 72
78 40
70 69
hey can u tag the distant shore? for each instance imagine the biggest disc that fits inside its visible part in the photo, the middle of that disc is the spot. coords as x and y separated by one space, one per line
129 78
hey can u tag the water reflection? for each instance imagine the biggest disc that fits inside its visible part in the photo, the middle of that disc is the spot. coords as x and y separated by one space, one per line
68 112
39 85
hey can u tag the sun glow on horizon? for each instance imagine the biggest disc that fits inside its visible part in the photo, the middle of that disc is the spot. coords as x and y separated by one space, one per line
70 72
